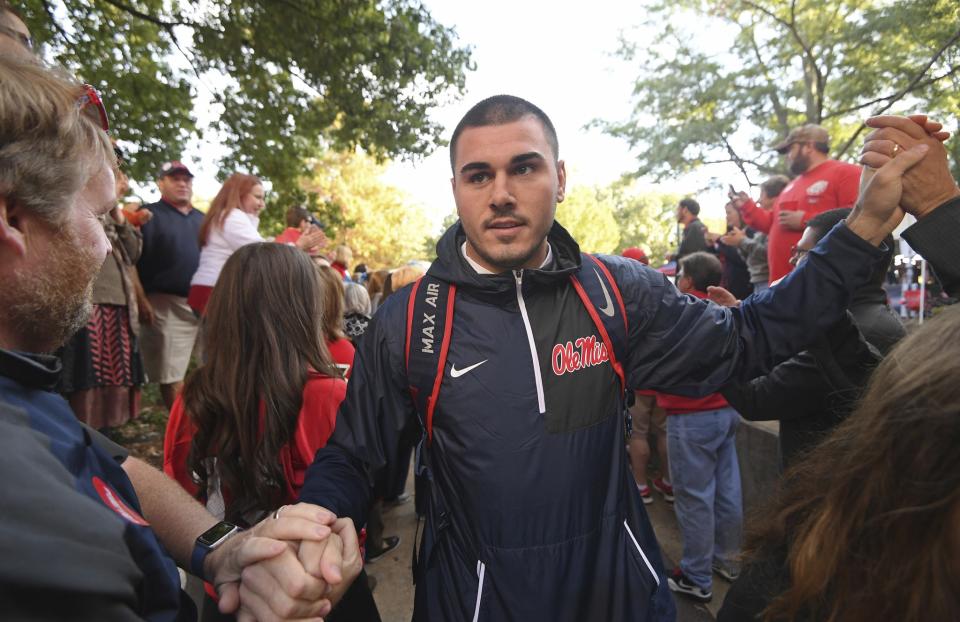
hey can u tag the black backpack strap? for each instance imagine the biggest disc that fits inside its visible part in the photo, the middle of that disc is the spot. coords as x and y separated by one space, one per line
594 284
429 321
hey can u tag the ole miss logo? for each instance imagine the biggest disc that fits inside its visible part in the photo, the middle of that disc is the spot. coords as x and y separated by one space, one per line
573 355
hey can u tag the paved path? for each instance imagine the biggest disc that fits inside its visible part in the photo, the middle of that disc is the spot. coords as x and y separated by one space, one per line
394 591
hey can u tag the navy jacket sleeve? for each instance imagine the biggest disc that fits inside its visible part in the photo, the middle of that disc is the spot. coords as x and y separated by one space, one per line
371 418
937 238
832 372
688 346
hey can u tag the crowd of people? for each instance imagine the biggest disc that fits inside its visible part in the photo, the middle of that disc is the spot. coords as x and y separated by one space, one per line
526 382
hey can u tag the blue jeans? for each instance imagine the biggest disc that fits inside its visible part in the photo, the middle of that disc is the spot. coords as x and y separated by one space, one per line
706 484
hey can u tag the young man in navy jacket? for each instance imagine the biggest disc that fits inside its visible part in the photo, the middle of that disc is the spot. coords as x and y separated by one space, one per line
533 514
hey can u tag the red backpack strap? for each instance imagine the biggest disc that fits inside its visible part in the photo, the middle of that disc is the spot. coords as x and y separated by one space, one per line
429 327
593 284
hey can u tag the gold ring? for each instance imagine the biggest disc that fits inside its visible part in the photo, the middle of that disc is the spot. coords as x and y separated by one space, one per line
896 149
276 514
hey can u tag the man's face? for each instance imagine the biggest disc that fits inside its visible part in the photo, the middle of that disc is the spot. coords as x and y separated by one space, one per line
49 299
14 36
765 201
506 184
804 245
684 283
681 212
798 158
176 189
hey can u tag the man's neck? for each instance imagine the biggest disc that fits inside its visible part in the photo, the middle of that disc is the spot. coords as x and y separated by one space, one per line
814 164
539 260
183 207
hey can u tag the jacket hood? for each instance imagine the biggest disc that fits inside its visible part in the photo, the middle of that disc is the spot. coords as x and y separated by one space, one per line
450 265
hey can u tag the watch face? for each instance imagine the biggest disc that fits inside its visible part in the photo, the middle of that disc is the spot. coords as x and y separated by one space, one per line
216 533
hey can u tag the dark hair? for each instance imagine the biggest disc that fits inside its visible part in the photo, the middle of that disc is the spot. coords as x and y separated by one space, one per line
823 222
869 518
703 269
261 339
692 206
773 186
500 110
296 215
822 147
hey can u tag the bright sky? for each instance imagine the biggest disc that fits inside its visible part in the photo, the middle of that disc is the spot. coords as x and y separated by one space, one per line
563 60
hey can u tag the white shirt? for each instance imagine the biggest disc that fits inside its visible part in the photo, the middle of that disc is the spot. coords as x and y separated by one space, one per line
239 229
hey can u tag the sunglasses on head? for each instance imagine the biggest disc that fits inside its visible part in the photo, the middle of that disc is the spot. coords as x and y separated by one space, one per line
92 98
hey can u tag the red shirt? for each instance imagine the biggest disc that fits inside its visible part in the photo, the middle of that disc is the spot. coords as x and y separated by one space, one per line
318 415
342 352
830 185
678 405
290 235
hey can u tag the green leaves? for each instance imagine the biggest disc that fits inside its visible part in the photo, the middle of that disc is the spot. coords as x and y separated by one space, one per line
294 77
784 63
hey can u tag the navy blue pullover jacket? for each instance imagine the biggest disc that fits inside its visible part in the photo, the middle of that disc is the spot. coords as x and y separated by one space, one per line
533 513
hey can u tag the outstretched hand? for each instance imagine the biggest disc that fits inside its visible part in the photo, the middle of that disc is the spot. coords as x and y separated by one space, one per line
722 296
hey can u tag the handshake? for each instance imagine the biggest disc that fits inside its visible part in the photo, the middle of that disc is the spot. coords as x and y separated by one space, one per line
905 171
295 564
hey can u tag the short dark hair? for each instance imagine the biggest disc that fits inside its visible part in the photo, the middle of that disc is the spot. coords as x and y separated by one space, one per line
296 215
775 185
822 147
703 269
692 206
823 222
500 110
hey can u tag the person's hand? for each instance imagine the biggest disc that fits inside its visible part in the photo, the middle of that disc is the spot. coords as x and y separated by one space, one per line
792 219
313 240
259 570
739 199
929 183
878 212
722 296
145 312
335 560
734 237
711 237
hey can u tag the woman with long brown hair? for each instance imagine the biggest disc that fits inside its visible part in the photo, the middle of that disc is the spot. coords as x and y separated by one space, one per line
231 222
867 527
341 349
250 419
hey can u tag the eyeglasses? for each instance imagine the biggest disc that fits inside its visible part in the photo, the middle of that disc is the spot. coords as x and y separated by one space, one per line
24 39
797 254
91 97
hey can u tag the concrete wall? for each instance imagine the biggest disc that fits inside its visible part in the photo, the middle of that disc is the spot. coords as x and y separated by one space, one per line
759 461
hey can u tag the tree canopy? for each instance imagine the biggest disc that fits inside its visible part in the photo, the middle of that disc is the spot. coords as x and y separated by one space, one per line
291 77
380 223
787 62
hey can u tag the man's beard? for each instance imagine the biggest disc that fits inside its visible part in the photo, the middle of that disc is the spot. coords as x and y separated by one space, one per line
799 165
46 306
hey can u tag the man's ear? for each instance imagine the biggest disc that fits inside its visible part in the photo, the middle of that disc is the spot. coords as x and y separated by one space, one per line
561 180
11 236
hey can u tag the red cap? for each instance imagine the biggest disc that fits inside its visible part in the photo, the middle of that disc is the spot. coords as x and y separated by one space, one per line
172 167
636 253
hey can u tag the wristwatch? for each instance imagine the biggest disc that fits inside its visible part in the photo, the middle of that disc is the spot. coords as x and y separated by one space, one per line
208 541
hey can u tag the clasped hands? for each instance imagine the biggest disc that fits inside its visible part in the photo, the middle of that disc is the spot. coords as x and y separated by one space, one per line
294 566
905 171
